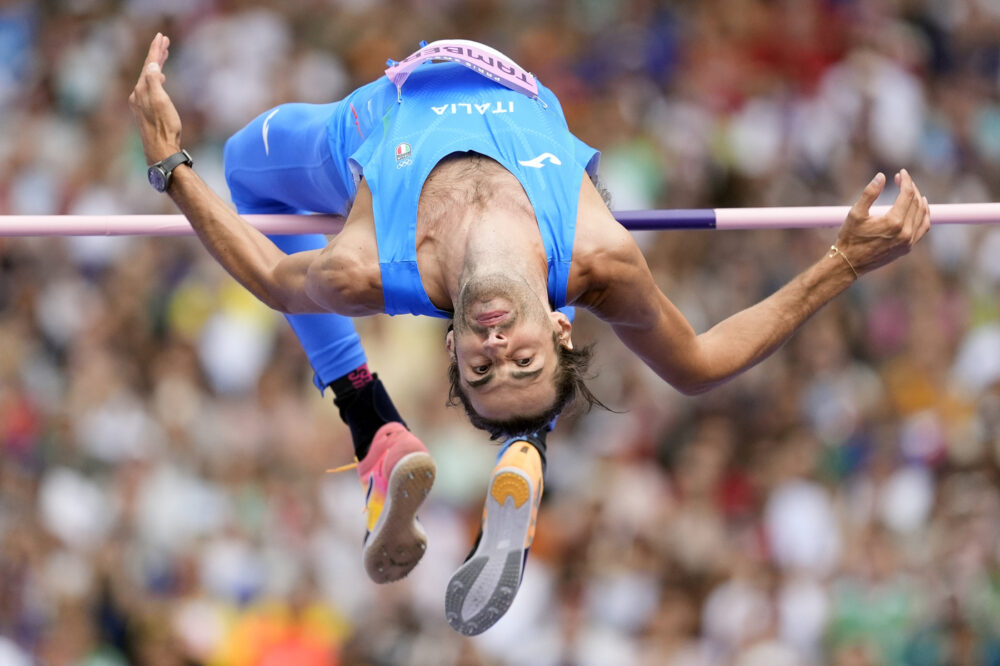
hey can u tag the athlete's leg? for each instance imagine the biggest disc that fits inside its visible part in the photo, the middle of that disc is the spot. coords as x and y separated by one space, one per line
394 465
482 590
282 163
294 157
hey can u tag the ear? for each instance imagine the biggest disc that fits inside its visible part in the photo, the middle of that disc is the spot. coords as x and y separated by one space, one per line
449 342
563 328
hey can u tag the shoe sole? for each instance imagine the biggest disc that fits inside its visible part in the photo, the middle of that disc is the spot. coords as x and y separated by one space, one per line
483 588
397 542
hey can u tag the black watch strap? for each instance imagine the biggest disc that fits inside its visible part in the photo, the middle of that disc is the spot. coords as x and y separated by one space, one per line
160 173
168 165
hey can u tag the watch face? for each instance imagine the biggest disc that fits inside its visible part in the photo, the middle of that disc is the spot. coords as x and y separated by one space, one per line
157 178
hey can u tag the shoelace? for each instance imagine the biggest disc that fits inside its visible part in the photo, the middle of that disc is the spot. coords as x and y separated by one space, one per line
344 468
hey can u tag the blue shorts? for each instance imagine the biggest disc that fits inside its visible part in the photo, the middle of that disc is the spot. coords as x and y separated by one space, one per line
294 158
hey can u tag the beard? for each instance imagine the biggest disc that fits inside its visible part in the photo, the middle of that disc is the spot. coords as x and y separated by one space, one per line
510 293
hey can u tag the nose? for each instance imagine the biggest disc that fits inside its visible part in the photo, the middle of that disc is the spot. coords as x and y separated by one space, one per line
495 341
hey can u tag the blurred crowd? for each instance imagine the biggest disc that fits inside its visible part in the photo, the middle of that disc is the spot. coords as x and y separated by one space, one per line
163 495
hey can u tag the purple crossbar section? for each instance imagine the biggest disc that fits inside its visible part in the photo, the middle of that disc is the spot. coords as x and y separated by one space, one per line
801 217
650 220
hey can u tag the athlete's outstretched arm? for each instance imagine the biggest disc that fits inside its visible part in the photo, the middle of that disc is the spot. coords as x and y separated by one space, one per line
651 326
279 280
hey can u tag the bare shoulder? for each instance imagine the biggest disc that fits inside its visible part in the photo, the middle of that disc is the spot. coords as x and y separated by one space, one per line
605 255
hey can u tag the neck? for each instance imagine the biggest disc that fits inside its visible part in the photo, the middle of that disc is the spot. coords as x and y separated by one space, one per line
503 241
475 219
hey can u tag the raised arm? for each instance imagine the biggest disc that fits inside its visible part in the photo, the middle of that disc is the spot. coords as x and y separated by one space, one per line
651 326
281 281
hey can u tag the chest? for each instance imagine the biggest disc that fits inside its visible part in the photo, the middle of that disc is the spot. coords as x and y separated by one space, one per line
462 191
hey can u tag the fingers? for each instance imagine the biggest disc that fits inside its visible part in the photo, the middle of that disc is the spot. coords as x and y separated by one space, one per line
873 241
165 52
911 209
156 57
868 196
921 216
903 213
154 75
914 214
924 224
158 122
161 56
156 53
910 194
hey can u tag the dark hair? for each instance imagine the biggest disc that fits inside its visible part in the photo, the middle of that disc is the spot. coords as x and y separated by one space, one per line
569 380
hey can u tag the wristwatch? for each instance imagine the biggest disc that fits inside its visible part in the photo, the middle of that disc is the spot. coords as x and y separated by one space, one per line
159 174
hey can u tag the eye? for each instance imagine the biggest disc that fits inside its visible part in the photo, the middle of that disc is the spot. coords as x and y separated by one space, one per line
481 369
524 362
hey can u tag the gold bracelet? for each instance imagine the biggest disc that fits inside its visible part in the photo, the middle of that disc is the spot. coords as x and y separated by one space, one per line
834 251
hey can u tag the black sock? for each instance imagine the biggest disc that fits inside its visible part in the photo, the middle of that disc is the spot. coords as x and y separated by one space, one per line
353 380
537 440
364 406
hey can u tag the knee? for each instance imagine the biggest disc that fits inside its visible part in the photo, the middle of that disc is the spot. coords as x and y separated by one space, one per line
246 147
230 161
248 191
231 151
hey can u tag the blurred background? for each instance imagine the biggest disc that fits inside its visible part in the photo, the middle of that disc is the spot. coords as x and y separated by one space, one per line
162 451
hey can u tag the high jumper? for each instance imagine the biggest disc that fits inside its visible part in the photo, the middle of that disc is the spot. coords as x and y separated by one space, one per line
465 196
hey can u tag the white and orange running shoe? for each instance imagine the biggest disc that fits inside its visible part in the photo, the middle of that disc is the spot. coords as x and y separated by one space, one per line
397 474
483 588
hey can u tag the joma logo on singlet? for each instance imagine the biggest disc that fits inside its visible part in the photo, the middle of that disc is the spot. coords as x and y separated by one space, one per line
467 109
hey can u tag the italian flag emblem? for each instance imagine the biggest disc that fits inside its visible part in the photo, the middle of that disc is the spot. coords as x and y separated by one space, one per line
403 151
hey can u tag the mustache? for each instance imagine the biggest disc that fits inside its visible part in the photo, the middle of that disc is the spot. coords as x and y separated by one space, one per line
483 287
478 328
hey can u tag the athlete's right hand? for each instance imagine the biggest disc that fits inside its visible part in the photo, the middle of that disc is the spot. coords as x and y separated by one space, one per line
157 118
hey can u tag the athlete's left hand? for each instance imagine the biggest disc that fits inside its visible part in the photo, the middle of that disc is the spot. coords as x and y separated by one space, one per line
869 241
157 118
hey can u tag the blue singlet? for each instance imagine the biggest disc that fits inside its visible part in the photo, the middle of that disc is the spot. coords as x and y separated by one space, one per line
309 157
448 108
